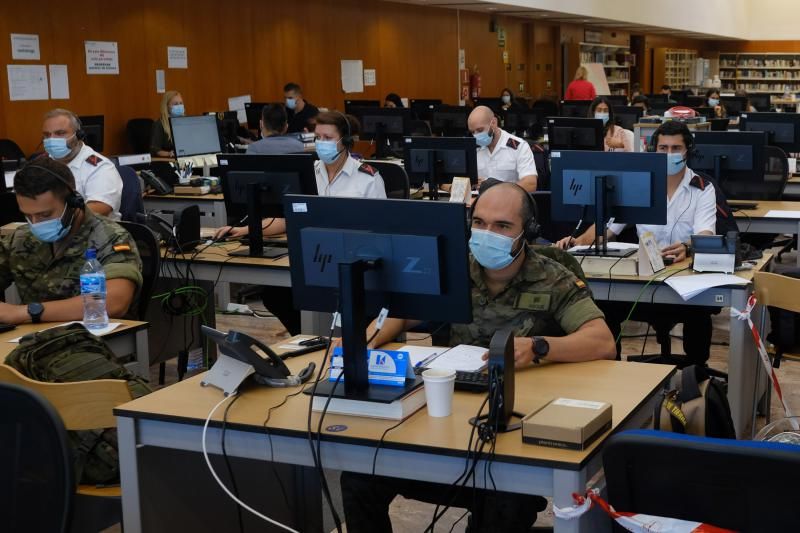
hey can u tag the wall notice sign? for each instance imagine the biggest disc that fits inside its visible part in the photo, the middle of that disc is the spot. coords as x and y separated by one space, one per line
25 46
27 82
177 57
59 82
370 78
102 57
352 75
161 82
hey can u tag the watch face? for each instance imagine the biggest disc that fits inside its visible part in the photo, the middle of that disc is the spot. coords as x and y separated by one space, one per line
35 308
541 346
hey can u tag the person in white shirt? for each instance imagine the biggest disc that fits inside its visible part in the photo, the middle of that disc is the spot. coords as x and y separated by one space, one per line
691 210
501 155
96 178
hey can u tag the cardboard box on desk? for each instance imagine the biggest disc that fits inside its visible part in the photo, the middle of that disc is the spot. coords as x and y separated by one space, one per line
566 423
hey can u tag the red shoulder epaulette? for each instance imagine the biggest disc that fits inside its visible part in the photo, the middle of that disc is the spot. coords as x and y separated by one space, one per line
366 169
699 181
512 143
93 160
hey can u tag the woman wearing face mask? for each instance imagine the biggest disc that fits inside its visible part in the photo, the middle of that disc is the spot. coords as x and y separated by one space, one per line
615 138
509 102
161 144
712 99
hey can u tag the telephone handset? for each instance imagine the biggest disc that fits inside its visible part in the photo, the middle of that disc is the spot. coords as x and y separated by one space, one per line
155 182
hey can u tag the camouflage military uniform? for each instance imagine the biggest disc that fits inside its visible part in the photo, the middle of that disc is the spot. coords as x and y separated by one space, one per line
41 277
544 298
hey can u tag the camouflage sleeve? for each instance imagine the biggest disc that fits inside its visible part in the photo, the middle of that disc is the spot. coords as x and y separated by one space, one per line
574 305
6 277
120 257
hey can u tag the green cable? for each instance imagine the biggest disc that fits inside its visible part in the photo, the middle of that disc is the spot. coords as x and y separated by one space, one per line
639 297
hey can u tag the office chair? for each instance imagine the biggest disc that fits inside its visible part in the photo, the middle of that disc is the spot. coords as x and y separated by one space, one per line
549 106
132 202
395 179
739 485
420 128
139 131
10 150
37 482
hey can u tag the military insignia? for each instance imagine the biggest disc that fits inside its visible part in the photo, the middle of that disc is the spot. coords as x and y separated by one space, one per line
580 284
122 247
512 144
533 301
93 160
699 182
366 169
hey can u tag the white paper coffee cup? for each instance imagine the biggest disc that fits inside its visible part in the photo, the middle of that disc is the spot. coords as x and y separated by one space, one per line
792 165
439 387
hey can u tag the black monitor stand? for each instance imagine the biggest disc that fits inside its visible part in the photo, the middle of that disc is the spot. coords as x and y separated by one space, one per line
255 235
601 191
382 148
352 297
435 171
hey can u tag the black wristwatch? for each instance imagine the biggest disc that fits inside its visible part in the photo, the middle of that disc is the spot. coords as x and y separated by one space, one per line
540 348
35 309
688 249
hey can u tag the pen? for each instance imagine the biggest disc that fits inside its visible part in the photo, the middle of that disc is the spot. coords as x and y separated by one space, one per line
427 360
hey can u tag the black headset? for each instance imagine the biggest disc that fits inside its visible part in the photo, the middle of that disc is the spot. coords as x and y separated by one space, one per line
530 227
347 140
79 134
74 199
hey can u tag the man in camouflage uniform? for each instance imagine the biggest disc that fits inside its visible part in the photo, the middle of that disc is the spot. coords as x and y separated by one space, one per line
45 256
553 317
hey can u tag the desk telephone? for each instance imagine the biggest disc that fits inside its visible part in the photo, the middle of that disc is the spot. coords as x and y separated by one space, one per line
161 186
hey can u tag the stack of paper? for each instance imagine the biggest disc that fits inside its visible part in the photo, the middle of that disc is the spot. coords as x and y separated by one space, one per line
462 357
690 286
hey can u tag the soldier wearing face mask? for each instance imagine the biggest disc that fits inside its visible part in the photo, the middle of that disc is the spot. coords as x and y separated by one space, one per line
501 156
96 178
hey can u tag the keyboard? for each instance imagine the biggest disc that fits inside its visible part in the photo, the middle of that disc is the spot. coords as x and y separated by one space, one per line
472 381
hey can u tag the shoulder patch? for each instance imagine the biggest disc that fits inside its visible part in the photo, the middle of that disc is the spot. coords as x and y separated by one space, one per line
512 143
366 169
123 247
580 283
699 181
93 160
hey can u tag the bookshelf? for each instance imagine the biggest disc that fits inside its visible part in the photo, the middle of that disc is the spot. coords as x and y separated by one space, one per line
615 58
768 73
673 67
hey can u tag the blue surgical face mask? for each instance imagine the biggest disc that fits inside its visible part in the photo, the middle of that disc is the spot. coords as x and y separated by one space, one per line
602 116
484 138
49 230
506 99
291 103
675 163
177 110
712 102
492 250
57 147
327 151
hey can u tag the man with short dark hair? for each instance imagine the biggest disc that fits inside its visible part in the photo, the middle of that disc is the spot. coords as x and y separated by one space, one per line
666 90
44 257
275 141
300 111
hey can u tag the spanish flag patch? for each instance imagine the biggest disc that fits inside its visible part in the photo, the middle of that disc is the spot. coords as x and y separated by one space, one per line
122 247
580 284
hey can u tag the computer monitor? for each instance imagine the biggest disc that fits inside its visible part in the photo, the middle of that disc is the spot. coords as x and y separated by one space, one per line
422 108
493 103
93 127
679 96
384 125
628 115
254 186
734 105
349 105
631 187
783 129
575 133
228 127
357 256
735 159
693 100
705 111
437 160
253 112
658 107
657 97
761 101
574 108
450 121
525 123
195 135
616 99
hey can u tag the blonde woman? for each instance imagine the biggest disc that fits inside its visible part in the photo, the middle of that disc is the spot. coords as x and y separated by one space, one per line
580 88
161 144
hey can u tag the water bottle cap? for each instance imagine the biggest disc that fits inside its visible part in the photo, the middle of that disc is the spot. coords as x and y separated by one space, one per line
91 253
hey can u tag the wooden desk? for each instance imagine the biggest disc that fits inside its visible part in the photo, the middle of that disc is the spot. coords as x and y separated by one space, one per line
754 221
129 338
742 355
792 190
212 206
430 449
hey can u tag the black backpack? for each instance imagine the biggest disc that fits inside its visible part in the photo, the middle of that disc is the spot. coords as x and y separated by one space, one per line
695 404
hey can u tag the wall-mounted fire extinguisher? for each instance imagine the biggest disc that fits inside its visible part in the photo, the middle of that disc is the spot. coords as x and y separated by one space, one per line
475 83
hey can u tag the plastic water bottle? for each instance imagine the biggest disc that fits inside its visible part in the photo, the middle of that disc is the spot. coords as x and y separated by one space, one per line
93 291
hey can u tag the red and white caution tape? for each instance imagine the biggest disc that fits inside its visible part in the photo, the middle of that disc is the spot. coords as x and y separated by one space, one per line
762 351
637 523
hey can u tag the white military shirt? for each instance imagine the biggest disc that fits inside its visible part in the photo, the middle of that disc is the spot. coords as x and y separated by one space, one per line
354 180
692 209
97 179
511 159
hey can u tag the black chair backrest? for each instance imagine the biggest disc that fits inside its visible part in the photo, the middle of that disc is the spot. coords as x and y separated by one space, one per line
150 252
138 130
776 172
716 481
420 128
549 106
37 481
10 150
395 179
132 202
